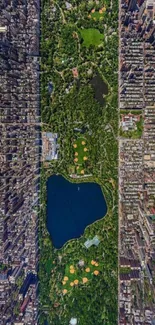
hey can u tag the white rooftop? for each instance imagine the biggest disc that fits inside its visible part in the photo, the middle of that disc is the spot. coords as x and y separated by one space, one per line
3 29
89 242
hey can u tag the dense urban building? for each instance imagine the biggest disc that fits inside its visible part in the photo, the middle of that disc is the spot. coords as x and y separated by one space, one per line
19 160
137 164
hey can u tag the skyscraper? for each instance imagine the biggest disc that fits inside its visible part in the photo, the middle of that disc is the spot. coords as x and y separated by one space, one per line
19 151
132 5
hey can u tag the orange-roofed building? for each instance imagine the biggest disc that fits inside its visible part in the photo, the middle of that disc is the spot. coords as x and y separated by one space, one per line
75 72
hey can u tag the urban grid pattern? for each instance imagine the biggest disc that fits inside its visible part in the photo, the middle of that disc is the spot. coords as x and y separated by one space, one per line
19 160
137 163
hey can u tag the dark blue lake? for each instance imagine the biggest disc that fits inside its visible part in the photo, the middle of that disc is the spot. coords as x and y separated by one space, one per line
71 208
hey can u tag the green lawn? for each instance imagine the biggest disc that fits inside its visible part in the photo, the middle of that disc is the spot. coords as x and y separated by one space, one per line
125 270
80 151
136 112
91 36
78 171
79 274
97 15
48 266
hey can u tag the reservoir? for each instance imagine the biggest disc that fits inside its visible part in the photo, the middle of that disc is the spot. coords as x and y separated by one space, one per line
71 208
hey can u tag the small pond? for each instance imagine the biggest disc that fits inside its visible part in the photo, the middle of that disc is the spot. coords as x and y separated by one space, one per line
50 87
100 88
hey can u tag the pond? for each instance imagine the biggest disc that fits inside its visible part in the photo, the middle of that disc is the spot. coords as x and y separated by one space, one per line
100 88
50 87
71 208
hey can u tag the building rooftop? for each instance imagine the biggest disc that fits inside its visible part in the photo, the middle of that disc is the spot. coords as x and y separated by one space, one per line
95 241
49 146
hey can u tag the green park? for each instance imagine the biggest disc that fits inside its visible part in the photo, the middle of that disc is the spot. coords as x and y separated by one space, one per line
80 36
91 36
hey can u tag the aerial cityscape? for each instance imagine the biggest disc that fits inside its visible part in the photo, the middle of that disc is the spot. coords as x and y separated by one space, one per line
137 162
77 162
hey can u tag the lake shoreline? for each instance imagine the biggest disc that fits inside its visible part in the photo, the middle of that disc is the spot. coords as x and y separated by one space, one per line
73 218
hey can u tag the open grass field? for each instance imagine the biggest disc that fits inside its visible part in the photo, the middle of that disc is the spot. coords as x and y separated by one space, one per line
97 16
80 150
76 275
91 36
80 154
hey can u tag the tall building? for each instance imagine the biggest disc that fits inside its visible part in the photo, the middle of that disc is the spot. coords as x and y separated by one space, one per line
132 5
137 165
19 154
140 2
